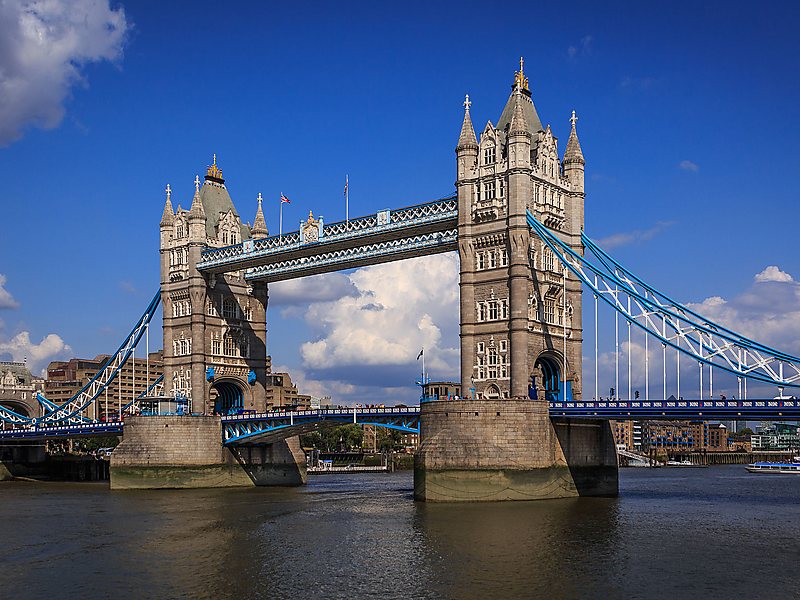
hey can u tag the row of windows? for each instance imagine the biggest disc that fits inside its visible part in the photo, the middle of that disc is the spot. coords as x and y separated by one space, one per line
182 308
549 166
178 256
182 347
547 262
230 309
503 345
182 380
181 230
492 364
492 310
227 345
491 259
494 188
547 195
229 237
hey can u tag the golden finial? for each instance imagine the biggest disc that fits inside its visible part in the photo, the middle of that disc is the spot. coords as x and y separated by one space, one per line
520 81
310 217
214 171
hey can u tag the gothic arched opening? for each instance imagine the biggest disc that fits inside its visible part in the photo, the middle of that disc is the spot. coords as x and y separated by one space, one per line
229 398
551 377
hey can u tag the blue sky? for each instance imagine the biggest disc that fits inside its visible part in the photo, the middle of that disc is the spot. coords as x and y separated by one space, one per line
688 120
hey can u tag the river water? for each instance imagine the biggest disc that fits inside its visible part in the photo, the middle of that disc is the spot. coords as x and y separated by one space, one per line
672 533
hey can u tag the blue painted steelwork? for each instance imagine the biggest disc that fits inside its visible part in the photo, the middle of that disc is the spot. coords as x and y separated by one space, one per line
131 406
273 426
787 410
71 409
351 258
383 226
670 322
62 431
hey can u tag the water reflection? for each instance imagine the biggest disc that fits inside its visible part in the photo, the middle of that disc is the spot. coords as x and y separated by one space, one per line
363 536
527 548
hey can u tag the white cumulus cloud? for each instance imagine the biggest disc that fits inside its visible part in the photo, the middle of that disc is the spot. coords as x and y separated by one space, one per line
400 307
773 273
44 45
688 165
304 291
6 299
20 348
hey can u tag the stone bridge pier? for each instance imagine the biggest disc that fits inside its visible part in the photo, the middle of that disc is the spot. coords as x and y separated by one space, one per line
187 452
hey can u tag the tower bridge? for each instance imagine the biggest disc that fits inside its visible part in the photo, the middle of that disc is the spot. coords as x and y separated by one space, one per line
527 429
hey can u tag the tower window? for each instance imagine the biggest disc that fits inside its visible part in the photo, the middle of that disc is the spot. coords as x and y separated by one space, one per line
489 155
229 308
489 190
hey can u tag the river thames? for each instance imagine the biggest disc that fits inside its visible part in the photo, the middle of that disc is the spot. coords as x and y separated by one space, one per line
671 533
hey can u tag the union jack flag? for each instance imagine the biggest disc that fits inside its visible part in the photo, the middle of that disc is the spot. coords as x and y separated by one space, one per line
285 199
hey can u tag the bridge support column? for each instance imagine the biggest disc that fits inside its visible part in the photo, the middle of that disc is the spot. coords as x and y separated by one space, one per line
22 459
491 450
187 452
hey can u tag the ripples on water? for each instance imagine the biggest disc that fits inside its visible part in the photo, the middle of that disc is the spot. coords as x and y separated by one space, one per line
672 533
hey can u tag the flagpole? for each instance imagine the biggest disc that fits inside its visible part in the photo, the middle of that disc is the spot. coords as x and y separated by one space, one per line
280 222
347 198
423 365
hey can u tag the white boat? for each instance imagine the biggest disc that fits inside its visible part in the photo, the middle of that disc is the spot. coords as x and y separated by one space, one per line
773 468
682 463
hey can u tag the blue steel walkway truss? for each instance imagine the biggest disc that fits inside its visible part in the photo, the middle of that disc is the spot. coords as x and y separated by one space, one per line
387 235
269 427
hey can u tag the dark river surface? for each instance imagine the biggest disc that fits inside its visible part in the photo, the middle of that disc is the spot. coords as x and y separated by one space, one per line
672 533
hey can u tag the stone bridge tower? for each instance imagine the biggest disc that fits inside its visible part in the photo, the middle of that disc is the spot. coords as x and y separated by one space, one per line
521 329
214 326
520 314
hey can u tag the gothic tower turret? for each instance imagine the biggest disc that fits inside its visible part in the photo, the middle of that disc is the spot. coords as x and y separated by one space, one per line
214 326
467 158
574 162
520 314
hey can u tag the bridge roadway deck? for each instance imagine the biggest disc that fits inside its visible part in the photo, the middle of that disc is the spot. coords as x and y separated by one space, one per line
387 235
273 426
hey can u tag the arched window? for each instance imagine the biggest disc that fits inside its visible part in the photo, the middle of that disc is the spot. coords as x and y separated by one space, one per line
229 308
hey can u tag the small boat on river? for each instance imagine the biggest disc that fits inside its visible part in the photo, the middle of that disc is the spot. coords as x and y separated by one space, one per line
776 468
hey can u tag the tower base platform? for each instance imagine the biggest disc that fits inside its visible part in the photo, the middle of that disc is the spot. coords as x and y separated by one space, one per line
494 450
187 452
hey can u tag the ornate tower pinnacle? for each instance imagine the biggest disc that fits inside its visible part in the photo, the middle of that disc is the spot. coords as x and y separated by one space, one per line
520 81
197 211
573 157
519 125
214 173
259 229
573 153
168 217
467 138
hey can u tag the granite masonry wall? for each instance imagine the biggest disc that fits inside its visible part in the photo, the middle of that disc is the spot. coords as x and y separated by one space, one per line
487 450
187 452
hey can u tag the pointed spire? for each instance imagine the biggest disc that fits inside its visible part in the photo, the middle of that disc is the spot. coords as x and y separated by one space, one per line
197 205
519 125
168 216
467 138
573 153
259 229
